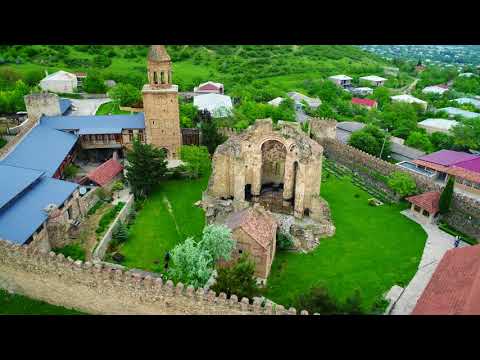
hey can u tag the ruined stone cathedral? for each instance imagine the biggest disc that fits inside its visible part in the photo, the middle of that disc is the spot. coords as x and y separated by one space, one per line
160 102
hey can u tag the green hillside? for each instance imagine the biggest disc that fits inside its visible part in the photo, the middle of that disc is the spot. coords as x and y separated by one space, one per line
241 67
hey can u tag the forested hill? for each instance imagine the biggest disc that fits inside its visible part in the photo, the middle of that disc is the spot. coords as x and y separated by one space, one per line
241 67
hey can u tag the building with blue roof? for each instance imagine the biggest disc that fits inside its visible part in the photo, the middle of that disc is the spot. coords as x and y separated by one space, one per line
14 180
43 149
22 218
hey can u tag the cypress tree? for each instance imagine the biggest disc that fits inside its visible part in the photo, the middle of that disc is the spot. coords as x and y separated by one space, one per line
447 195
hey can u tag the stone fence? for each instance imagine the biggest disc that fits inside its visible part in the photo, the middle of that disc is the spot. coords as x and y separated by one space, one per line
102 247
465 211
100 289
131 109
16 129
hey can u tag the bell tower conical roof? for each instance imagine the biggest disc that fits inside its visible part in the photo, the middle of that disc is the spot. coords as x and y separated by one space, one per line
158 53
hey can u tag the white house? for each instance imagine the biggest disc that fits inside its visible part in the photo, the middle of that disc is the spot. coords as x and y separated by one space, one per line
437 125
341 80
453 111
409 99
209 87
474 102
60 82
275 102
218 105
435 89
362 91
374 80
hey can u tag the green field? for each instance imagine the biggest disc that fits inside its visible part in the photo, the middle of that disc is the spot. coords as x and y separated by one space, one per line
168 217
13 304
373 249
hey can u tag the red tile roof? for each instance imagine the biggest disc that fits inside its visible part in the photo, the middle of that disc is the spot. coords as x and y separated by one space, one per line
209 87
454 288
103 174
257 224
452 170
365 102
428 201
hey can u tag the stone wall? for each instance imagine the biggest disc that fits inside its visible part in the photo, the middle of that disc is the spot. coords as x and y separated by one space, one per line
100 289
465 211
102 247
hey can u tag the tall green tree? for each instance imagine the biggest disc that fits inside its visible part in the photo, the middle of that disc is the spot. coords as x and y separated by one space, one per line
146 166
467 134
446 196
402 183
196 159
420 141
94 83
125 94
371 139
218 242
211 138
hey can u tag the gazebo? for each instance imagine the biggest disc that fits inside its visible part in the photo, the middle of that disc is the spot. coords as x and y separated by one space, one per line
425 206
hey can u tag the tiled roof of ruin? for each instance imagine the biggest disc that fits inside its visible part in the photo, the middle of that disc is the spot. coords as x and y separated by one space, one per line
257 224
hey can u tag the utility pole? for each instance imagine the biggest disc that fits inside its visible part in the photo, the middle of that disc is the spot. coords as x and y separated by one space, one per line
384 141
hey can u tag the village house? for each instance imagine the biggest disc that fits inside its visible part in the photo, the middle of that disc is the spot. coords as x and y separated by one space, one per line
454 288
425 207
464 167
362 91
299 98
453 111
255 233
341 80
438 125
217 105
373 80
59 82
367 103
209 87
474 102
276 102
435 89
409 99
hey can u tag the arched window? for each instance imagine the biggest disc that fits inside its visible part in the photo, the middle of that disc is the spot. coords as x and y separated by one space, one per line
155 80
162 77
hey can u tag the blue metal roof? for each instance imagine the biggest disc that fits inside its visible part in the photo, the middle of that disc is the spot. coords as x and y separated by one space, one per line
43 149
94 131
20 219
65 104
14 180
134 121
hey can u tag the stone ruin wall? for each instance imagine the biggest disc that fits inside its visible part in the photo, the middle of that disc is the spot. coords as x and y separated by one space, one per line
465 211
100 289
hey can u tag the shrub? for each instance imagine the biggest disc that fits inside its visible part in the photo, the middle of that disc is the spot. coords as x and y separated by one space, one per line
108 217
70 171
402 183
95 207
117 186
197 160
317 300
103 194
75 251
284 241
118 257
217 241
120 234
238 279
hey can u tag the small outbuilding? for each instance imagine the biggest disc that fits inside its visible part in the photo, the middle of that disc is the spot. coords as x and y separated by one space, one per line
437 125
255 232
104 174
409 99
341 80
60 82
425 207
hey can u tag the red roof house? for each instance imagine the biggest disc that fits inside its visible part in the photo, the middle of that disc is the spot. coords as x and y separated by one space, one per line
364 102
209 87
106 172
454 288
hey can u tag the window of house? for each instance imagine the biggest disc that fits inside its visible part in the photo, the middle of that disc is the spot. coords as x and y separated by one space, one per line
69 213
426 213
130 135
417 208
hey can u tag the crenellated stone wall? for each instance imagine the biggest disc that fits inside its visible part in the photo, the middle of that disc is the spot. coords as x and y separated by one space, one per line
100 289
465 210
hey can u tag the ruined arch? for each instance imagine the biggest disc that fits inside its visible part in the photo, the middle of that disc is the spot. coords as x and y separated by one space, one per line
273 155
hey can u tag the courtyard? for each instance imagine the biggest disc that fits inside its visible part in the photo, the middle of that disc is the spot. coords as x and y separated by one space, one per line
373 249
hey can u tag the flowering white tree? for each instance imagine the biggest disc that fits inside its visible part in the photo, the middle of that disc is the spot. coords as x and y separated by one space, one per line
217 241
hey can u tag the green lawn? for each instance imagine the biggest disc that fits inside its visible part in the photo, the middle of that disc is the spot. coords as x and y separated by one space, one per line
373 249
110 107
13 304
157 230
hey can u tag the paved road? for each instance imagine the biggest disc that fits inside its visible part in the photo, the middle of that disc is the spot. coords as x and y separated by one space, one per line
438 242
87 106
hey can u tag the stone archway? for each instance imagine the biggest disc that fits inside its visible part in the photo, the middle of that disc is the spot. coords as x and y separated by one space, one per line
274 154
167 153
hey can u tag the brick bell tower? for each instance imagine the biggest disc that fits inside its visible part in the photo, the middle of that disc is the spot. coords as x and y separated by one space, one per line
160 103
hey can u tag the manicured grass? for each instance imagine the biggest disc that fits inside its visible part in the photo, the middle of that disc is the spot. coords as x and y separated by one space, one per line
156 230
373 249
13 304
110 108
